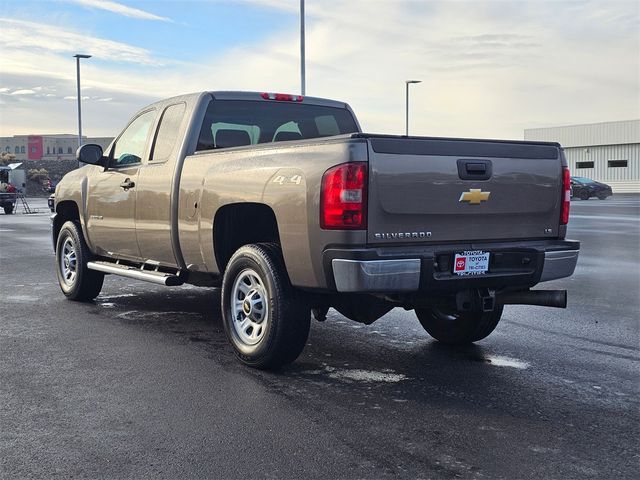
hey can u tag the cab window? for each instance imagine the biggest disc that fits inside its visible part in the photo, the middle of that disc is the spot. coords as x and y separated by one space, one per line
167 134
236 123
129 148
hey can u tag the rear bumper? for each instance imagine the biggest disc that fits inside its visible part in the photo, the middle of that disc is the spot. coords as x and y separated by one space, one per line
428 269
559 264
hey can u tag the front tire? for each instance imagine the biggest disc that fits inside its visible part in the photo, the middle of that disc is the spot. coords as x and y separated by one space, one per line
265 319
76 281
8 210
458 328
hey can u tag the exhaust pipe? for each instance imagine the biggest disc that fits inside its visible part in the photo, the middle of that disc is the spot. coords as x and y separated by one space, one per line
542 298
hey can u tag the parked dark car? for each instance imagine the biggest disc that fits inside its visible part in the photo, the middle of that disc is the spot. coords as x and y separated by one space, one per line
584 188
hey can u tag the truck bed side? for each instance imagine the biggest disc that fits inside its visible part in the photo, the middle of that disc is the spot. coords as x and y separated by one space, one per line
285 177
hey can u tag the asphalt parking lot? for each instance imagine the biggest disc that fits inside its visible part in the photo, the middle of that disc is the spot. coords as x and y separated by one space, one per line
142 383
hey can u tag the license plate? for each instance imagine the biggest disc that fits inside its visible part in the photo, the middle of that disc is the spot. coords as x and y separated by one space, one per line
473 262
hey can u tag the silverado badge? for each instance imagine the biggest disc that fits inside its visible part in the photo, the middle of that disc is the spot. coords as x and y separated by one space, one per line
474 196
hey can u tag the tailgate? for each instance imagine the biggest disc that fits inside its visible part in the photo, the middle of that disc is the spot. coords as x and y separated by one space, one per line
445 190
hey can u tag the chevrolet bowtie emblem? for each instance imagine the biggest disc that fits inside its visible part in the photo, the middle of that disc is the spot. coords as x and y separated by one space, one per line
474 196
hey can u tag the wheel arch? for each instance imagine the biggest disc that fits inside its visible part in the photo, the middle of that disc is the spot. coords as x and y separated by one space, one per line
65 211
238 224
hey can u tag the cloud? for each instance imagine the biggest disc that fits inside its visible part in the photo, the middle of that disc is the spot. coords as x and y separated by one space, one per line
489 69
40 37
23 92
120 9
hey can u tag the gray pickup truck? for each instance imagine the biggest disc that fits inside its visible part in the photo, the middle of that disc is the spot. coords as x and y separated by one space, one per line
286 205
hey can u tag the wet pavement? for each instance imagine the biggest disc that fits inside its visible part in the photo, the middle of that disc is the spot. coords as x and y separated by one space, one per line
142 383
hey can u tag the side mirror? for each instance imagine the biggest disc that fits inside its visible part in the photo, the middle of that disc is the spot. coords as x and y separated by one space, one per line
91 153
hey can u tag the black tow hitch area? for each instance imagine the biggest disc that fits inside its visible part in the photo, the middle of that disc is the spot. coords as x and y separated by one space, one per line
541 298
480 300
486 299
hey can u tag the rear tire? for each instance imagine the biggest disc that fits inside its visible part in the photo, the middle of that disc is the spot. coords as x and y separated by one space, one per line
457 328
265 319
76 281
8 210
584 196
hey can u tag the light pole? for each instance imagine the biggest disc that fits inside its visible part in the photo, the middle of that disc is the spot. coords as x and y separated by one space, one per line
407 82
302 73
78 56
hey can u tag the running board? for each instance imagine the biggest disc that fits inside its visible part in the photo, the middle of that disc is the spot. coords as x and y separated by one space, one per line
153 276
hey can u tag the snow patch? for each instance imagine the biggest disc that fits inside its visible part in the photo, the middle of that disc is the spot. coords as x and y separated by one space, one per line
20 298
506 362
359 375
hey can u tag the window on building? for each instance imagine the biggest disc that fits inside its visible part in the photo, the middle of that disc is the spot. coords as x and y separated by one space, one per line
34 149
22 150
585 164
69 150
48 151
8 149
59 150
617 163
17 150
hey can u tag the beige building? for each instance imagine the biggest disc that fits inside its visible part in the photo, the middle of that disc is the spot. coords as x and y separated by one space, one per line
607 152
47 147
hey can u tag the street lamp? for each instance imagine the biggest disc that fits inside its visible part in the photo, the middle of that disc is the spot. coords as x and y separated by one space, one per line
302 66
407 82
78 56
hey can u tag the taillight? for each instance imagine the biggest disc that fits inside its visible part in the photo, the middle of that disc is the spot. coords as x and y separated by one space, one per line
566 196
343 197
282 97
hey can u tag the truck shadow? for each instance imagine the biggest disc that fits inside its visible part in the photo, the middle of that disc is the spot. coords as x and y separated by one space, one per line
391 365
391 354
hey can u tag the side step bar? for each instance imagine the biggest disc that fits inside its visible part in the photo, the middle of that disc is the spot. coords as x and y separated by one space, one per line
153 276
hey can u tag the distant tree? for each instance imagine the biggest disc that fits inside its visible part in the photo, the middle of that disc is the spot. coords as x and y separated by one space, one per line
7 158
38 174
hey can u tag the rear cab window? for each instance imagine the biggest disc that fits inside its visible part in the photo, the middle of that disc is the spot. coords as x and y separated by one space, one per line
234 123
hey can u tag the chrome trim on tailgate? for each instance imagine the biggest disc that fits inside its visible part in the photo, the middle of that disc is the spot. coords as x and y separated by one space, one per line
559 264
376 275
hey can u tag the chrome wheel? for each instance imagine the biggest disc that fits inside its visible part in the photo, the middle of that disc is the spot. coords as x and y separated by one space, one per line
69 262
249 307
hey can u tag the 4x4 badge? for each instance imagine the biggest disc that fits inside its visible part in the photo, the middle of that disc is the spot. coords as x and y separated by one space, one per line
474 196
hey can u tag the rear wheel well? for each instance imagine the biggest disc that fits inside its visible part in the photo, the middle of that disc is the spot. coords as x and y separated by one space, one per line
241 224
65 211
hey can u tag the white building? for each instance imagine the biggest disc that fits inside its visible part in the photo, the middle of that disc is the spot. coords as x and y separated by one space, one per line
608 152
47 147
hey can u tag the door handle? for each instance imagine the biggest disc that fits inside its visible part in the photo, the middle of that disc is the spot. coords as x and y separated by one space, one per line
476 168
127 184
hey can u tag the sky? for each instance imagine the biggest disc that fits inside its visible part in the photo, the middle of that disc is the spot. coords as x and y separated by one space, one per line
489 68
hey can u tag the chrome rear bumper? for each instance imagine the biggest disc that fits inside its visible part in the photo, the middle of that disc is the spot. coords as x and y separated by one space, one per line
405 274
559 264
376 275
